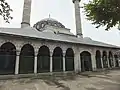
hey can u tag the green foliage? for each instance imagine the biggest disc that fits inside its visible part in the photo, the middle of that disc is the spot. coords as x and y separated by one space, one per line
5 10
103 12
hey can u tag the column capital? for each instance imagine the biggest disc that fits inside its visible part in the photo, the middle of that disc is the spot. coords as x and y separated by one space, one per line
93 54
64 53
36 53
101 52
17 53
51 52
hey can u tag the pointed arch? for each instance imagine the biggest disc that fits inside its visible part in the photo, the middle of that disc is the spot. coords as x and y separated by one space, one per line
26 59
7 58
57 59
116 61
104 58
98 59
43 58
69 60
111 59
86 63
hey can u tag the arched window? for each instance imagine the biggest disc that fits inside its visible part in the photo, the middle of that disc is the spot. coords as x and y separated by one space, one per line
27 59
111 59
98 59
7 58
69 60
86 64
57 59
43 64
116 61
104 58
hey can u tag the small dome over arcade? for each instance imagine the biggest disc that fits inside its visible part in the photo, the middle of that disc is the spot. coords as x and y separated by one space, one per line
48 21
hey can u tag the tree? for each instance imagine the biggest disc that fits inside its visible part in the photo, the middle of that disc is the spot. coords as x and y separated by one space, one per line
5 10
103 12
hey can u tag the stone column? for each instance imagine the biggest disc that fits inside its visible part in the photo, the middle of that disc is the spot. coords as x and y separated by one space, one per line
51 61
102 62
93 62
78 18
114 61
35 63
77 62
64 68
108 59
118 60
17 63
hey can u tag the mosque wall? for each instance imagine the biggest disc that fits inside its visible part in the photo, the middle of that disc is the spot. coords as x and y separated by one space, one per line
19 42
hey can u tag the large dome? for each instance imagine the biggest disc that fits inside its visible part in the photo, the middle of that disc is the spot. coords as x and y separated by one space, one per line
48 21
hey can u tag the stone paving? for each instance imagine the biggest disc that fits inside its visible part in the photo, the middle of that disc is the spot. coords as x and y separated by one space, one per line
108 80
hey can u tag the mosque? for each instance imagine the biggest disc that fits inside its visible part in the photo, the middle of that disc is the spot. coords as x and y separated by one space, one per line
50 47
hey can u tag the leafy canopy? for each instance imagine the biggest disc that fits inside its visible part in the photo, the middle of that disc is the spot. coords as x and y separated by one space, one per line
5 10
103 12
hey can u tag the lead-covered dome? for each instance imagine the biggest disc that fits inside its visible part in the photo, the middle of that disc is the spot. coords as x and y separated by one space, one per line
48 21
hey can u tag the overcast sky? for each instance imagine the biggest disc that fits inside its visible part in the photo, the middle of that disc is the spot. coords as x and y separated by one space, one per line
63 11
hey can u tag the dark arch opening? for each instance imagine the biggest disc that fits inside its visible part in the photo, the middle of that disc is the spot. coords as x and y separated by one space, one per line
111 59
57 60
86 64
43 64
7 58
98 59
104 58
69 60
116 61
26 59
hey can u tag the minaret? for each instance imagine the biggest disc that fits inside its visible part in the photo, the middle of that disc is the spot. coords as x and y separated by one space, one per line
26 14
78 18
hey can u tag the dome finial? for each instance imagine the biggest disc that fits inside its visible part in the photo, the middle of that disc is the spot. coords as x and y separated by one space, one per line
49 15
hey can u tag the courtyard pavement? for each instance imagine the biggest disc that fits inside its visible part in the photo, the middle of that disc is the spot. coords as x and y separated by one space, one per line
108 80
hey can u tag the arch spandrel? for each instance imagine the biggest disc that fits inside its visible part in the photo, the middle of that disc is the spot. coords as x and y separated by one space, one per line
86 50
10 41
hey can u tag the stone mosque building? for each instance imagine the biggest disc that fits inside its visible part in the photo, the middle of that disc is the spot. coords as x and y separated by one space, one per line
50 47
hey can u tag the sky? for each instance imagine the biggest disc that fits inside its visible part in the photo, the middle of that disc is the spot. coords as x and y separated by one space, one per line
62 11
